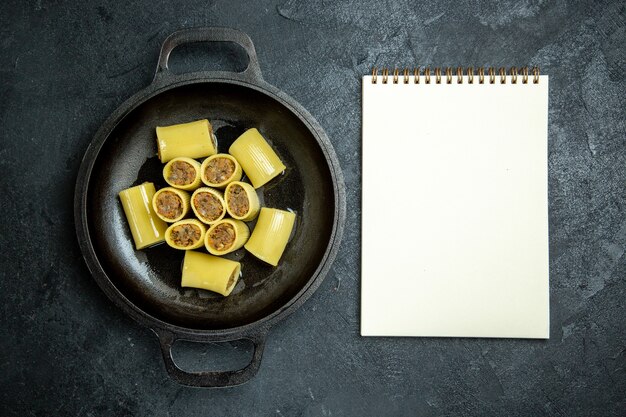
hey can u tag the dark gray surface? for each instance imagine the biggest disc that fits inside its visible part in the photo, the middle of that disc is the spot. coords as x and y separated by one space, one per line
66 350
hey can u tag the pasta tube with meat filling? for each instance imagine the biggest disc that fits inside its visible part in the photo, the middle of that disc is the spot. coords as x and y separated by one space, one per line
208 205
242 201
210 272
193 140
225 236
146 228
170 204
182 173
185 234
220 169
271 234
257 158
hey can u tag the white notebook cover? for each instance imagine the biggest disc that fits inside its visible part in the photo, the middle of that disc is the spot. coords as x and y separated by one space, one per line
455 209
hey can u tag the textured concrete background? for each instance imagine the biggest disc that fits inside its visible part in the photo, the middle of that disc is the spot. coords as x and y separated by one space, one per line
66 350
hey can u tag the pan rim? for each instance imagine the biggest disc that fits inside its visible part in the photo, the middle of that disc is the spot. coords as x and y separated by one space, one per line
93 261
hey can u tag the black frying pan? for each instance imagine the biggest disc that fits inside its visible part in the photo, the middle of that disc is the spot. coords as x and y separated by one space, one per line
146 284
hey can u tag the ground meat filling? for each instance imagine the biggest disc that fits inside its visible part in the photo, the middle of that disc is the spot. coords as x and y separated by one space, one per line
181 173
208 206
219 170
222 236
231 280
238 202
185 235
169 205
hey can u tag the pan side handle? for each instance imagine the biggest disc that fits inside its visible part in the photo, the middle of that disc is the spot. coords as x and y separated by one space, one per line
211 379
210 34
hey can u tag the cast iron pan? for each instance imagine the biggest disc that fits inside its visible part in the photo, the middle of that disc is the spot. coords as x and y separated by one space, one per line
146 283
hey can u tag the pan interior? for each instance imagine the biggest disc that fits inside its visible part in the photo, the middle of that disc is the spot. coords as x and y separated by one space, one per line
150 278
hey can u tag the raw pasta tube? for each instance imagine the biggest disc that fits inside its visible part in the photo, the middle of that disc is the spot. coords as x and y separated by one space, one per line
170 204
193 140
145 227
210 272
257 158
242 201
271 234
225 236
220 169
208 205
182 173
185 234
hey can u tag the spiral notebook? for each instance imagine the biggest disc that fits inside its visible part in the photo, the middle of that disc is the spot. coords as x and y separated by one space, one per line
455 203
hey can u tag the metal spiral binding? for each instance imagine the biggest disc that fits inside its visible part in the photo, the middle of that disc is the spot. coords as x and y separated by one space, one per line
449 75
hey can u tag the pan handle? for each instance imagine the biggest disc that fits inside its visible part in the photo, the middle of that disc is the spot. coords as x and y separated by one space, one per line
210 34
211 379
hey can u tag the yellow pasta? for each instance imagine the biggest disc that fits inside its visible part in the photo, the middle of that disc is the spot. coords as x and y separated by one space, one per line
193 140
225 236
271 234
257 158
242 201
210 272
208 205
220 169
185 234
170 204
182 173
145 227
